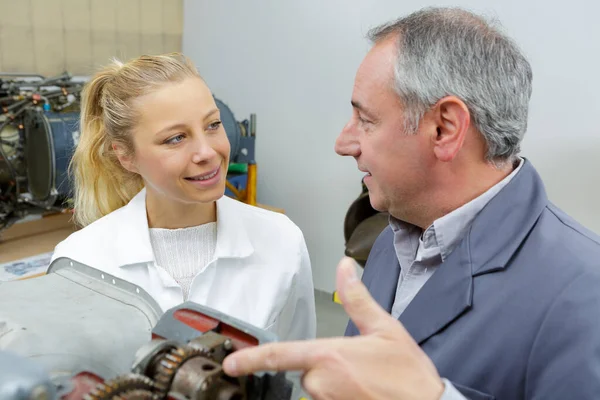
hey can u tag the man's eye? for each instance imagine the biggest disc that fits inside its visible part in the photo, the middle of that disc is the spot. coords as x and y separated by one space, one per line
215 125
174 139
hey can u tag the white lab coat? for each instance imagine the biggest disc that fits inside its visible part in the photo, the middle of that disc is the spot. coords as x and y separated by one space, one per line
260 272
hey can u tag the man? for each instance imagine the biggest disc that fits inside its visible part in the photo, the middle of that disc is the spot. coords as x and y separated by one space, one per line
479 271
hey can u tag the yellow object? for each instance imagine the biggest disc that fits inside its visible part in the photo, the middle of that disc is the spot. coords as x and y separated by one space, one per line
235 192
251 186
247 195
336 298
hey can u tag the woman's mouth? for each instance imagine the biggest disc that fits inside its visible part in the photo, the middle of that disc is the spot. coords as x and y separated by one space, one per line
206 180
204 177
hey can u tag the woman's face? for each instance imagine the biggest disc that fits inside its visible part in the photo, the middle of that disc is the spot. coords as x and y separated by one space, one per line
181 149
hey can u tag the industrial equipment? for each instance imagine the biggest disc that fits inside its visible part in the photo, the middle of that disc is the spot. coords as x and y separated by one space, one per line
39 129
79 333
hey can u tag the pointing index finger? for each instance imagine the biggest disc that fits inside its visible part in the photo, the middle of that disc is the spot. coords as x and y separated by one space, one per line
285 356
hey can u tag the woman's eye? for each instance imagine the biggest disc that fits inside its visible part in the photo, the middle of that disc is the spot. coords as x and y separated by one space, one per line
175 139
215 125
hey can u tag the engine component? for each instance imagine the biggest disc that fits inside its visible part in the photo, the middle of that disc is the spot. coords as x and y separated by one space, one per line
121 386
49 142
85 334
38 130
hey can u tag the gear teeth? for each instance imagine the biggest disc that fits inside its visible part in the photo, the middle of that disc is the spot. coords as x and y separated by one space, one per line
174 358
122 384
168 365
138 394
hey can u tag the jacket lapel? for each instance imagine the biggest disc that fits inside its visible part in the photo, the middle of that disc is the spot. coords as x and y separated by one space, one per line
382 270
491 241
444 297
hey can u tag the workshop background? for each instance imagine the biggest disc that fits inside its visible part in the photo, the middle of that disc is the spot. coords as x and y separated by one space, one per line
49 37
293 64
286 70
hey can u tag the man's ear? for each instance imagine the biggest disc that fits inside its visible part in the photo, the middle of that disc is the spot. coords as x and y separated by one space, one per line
124 157
451 119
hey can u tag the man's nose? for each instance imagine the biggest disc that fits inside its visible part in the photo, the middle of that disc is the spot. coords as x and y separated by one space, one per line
346 143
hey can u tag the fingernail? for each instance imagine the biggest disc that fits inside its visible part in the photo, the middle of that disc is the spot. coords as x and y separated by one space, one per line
350 272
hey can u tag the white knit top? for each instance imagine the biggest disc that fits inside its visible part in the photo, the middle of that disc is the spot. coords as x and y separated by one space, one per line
185 251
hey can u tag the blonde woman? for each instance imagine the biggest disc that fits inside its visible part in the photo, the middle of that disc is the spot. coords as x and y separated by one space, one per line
149 174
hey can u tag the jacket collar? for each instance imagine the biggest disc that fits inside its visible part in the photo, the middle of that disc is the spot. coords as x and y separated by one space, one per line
492 239
133 237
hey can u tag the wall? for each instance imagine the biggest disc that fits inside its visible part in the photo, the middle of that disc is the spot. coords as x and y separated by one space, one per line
52 36
293 63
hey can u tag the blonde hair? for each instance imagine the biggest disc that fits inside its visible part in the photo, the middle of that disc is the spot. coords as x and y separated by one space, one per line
108 115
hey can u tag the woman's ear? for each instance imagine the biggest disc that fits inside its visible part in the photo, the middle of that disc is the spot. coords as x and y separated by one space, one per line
124 157
452 119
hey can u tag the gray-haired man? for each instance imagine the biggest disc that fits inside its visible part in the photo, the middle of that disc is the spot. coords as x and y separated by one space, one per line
497 291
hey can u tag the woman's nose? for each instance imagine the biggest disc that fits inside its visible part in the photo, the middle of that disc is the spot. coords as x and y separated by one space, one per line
202 152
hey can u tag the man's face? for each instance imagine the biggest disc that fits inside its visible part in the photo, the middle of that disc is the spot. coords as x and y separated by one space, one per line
396 163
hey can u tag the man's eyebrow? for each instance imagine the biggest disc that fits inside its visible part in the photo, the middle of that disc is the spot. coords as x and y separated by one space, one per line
361 108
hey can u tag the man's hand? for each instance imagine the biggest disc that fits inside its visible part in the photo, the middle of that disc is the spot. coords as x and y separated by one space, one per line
383 363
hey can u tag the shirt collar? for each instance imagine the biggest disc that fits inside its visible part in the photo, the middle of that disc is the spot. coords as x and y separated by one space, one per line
446 232
233 240
134 238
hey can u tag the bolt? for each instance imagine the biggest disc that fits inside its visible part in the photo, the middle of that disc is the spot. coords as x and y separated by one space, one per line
228 345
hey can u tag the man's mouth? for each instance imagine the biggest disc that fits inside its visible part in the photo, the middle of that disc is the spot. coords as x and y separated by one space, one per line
204 177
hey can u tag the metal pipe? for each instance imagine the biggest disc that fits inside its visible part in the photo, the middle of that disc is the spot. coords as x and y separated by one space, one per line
11 169
22 75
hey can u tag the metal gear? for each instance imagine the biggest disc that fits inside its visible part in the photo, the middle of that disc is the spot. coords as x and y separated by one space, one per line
137 394
112 388
168 365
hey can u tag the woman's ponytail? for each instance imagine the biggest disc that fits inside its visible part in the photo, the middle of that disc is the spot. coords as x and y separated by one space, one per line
102 185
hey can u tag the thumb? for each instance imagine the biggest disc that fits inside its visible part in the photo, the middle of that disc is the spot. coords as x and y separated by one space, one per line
363 310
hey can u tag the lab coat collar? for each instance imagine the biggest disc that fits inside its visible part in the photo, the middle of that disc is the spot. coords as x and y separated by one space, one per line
134 236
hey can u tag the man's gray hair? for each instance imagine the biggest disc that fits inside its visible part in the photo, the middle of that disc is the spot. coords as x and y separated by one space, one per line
450 51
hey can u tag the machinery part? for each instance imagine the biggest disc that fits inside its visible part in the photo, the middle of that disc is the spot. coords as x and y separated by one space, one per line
121 385
38 131
200 375
137 395
169 364
10 139
362 226
148 357
50 140
201 378
105 324
72 320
